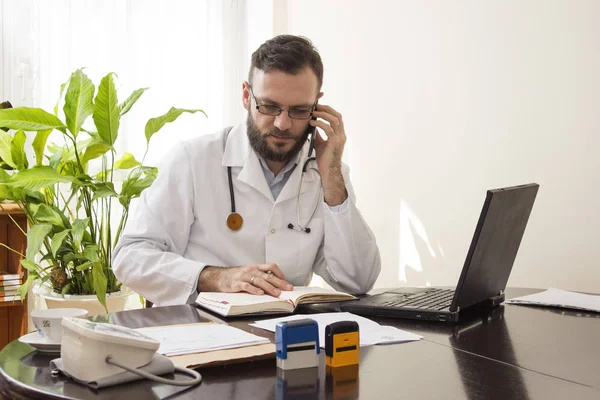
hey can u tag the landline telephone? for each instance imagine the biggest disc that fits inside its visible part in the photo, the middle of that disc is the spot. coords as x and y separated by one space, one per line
100 355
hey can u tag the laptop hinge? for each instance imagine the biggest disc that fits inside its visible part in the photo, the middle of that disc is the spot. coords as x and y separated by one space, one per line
496 300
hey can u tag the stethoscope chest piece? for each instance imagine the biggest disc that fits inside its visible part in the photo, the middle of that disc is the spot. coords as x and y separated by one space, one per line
235 221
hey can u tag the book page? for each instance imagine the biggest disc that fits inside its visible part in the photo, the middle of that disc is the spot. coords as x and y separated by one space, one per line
236 299
320 294
246 303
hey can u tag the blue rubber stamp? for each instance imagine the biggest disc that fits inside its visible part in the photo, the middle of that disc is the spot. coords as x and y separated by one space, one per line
297 344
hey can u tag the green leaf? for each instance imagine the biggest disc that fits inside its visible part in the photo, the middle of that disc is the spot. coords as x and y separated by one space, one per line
35 238
17 147
69 257
140 185
31 197
127 104
6 193
101 176
62 89
79 226
65 289
104 189
135 184
91 253
58 240
100 283
45 213
37 178
4 176
39 145
78 101
94 151
155 124
6 148
127 161
106 110
25 287
29 119
30 265
84 266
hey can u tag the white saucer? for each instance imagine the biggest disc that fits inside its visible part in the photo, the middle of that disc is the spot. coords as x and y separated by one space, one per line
34 339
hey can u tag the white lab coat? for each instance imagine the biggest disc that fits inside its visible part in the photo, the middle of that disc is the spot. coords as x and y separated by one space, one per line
179 227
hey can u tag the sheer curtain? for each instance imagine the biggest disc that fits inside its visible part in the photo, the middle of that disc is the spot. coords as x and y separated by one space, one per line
191 54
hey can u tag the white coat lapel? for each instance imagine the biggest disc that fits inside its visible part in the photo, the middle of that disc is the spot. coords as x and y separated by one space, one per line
238 153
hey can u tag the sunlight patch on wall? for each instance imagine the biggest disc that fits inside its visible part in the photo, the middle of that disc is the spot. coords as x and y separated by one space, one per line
411 230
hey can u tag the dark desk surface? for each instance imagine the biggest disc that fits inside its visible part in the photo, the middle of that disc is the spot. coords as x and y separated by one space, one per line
514 352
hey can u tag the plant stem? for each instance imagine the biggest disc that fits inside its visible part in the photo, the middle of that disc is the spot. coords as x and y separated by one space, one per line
86 194
13 220
13 250
67 208
122 222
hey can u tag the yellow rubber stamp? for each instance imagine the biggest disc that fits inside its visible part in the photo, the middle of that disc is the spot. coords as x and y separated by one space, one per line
341 344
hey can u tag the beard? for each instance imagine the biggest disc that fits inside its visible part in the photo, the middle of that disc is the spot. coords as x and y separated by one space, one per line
258 141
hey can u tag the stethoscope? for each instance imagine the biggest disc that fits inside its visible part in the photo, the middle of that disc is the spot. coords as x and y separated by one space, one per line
235 220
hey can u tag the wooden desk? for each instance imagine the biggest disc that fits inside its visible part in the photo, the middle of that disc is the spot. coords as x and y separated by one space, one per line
515 352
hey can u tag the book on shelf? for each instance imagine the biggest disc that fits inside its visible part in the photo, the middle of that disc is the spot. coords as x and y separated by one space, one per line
229 304
9 293
4 299
16 282
8 289
6 276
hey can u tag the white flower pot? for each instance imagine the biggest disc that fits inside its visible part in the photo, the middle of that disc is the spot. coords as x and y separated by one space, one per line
114 301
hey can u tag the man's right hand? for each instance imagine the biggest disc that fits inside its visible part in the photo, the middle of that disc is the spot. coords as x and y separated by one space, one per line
255 279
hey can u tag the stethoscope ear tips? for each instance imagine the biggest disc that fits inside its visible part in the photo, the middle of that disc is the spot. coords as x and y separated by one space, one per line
305 230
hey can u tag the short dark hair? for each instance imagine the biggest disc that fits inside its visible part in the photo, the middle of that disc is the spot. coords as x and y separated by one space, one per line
289 54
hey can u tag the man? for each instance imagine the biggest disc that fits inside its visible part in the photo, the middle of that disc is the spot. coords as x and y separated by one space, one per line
233 211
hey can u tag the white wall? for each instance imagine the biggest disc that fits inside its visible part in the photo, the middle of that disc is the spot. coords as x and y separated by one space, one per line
443 100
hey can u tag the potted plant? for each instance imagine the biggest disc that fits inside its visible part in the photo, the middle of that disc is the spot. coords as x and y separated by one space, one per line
70 239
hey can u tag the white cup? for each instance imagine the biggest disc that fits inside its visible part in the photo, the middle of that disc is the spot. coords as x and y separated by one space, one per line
48 323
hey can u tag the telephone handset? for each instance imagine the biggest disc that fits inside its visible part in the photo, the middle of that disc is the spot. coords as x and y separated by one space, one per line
113 355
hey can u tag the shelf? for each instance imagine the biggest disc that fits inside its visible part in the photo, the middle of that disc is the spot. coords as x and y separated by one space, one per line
10 208
10 303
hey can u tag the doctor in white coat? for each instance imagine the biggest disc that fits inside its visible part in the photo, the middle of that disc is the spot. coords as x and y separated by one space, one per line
233 211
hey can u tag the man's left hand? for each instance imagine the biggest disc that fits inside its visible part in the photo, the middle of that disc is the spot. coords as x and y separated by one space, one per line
329 153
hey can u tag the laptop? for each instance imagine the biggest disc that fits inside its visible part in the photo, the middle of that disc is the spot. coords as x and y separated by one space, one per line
484 275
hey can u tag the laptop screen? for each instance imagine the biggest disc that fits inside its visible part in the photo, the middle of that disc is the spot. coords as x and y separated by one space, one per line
495 244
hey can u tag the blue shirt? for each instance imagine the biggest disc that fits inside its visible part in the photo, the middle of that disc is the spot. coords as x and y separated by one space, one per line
277 182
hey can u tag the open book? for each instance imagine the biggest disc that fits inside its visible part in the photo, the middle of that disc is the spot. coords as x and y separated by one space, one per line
228 304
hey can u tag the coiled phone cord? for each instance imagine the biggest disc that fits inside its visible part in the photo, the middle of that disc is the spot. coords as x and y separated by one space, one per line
197 377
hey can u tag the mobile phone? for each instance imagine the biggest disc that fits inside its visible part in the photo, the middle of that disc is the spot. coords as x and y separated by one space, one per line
313 135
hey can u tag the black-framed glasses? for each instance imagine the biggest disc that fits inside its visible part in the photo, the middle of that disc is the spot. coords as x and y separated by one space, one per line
273 110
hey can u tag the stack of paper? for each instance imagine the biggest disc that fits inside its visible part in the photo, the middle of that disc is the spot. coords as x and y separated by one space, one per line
198 338
560 298
370 332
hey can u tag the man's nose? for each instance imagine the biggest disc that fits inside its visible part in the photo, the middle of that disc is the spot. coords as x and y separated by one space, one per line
283 121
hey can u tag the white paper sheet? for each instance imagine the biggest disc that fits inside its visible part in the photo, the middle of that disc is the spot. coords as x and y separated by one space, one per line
187 339
560 298
370 332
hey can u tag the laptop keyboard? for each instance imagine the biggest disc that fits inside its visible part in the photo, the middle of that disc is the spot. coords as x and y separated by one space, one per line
433 299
